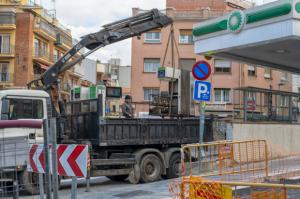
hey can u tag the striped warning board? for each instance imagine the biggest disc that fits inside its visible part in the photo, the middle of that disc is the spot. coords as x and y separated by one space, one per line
72 159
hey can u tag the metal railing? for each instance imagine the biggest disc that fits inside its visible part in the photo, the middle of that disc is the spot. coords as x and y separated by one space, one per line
8 2
8 18
236 170
237 160
6 77
39 54
7 50
265 105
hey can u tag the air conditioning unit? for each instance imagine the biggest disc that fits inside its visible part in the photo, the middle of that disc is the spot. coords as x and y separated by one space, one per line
168 73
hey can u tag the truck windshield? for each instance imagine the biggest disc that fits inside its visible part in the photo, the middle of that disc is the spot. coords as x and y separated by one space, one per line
25 109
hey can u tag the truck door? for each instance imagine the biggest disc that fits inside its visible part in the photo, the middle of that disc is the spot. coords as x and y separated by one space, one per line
16 108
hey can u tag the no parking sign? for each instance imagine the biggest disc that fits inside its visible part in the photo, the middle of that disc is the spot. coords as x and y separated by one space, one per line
202 90
201 70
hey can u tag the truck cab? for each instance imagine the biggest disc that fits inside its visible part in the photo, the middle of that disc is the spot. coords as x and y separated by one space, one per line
24 105
22 108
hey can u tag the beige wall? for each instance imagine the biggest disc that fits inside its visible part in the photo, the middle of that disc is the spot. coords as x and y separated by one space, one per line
281 138
238 76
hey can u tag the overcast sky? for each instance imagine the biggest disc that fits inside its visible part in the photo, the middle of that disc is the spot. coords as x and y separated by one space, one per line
87 16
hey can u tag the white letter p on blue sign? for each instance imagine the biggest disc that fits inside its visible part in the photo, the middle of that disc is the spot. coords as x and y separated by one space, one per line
202 91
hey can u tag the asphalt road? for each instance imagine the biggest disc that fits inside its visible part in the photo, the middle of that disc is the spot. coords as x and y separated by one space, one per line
103 188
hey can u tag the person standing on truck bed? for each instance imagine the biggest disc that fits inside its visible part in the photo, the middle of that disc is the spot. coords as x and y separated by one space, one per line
127 108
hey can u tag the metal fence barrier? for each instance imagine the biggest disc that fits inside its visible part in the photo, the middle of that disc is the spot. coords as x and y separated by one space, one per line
235 160
15 180
236 169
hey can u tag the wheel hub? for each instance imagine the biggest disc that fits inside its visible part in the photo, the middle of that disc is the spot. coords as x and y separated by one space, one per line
150 169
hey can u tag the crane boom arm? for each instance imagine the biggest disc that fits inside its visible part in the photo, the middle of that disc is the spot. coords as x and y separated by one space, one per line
111 33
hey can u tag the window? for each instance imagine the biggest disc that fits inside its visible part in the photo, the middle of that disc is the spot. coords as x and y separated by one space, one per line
4 44
283 101
222 95
251 96
25 109
268 73
284 76
185 37
251 71
40 48
222 66
152 37
55 55
149 92
186 64
151 65
4 71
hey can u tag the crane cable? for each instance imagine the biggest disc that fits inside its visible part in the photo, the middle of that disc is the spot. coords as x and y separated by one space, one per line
171 39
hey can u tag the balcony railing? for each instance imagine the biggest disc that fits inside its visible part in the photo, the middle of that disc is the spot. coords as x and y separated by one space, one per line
7 50
7 18
41 54
63 38
45 27
6 77
7 2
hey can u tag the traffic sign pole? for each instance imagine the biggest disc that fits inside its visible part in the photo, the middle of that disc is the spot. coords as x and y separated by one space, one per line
202 90
47 159
202 121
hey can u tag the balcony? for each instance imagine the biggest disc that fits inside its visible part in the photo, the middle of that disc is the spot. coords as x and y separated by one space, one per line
44 29
7 51
9 2
42 57
62 39
6 77
8 20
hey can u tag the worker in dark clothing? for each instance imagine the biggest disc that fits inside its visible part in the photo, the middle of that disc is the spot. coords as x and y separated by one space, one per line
127 109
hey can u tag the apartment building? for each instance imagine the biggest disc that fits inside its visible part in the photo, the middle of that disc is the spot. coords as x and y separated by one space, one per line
148 54
31 41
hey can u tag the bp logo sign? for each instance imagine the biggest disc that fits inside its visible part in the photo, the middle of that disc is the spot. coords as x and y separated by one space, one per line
236 21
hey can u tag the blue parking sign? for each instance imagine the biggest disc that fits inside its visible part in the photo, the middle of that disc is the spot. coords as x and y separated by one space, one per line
202 91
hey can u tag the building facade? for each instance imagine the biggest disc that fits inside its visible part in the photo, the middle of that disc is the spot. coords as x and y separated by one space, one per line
32 40
148 53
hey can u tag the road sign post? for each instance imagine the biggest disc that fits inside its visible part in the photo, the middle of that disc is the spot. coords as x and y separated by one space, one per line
201 71
46 157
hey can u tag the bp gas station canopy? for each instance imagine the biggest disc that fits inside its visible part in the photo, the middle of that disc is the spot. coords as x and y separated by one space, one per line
267 35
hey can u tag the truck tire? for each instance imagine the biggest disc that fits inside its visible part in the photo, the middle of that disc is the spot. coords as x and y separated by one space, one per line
151 168
135 175
30 182
174 166
117 178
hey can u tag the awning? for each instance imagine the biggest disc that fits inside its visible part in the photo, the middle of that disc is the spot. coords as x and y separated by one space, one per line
45 67
267 35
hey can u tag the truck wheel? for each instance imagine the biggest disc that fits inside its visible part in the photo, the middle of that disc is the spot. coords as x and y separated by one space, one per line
151 168
30 182
117 178
135 175
174 166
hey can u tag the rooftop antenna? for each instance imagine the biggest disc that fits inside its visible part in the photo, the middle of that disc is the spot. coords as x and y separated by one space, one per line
54 9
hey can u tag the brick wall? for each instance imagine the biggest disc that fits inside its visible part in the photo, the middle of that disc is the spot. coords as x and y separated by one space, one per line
24 43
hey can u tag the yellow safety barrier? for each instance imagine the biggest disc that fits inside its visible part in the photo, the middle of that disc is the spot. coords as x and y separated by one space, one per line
235 170
235 160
